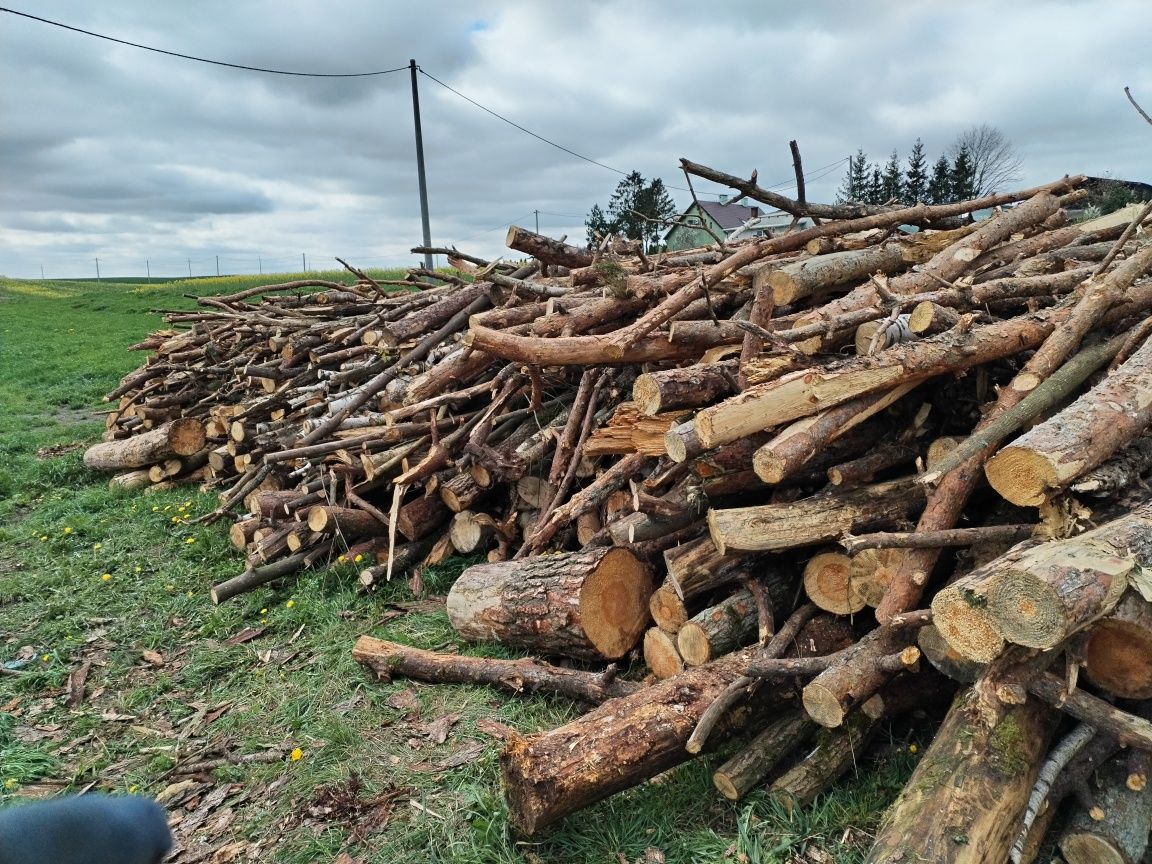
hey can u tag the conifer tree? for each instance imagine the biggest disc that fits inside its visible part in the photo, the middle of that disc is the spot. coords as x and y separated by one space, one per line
962 175
892 181
939 189
854 187
916 177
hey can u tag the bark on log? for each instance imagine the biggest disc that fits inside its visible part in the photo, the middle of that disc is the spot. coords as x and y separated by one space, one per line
1052 455
833 753
591 605
809 521
684 387
1039 595
547 249
517 676
857 675
179 438
968 792
740 774
719 630
551 774
1121 836
800 279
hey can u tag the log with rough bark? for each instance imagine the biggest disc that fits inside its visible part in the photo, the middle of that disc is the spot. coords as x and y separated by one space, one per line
744 771
1039 595
1052 455
591 605
720 629
387 659
832 753
546 249
1116 831
548 775
968 793
684 387
181 437
810 521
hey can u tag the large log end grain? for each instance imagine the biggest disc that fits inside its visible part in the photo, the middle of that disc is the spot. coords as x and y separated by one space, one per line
591 604
1118 649
960 620
181 437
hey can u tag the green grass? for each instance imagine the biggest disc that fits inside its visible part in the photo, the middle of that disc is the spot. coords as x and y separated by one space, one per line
119 581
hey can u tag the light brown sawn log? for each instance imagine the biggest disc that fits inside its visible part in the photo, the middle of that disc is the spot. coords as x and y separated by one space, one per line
809 391
591 604
181 437
818 519
581 350
1117 650
1040 594
661 655
858 673
799 279
547 249
965 799
548 775
718 630
387 659
684 387
1055 453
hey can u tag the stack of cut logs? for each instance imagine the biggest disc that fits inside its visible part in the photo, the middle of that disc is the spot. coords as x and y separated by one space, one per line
787 471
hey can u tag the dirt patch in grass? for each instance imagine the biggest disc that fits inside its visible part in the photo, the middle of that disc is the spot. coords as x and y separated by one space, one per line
58 450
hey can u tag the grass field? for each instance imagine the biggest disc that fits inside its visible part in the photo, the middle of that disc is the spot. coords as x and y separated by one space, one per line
110 589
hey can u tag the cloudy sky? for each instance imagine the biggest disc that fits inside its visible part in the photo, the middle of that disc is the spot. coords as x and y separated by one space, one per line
113 152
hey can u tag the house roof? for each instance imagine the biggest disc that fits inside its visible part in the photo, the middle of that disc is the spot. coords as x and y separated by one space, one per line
729 216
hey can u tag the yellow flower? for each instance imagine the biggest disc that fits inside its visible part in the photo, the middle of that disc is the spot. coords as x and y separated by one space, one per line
11 783
263 611
189 539
190 594
106 576
43 538
138 568
176 520
290 604
358 558
133 788
45 658
97 546
169 587
912 748
341 559
155 508
67 529
297 755
263 620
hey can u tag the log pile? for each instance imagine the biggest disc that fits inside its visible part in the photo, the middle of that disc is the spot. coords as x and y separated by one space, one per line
658 454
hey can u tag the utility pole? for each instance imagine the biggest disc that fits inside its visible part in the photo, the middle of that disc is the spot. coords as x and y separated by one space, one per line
260 264
537 212
41 271
97 269
148 270
420 167
304 261
189 268
217 265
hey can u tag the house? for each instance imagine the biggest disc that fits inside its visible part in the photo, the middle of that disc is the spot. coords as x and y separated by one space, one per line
728 219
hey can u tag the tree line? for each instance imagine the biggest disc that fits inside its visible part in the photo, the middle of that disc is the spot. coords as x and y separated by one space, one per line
979 162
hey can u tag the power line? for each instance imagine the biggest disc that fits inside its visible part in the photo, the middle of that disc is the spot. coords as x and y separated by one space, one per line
203 59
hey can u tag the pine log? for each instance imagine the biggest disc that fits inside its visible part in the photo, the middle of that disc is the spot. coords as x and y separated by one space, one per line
718 630
740 774
431 317
1117 650
684 387
806 392
834 752
546 249
348 522
517 676
179 438
800 279
814 520
1053 454
1120 470
130 478
459 493
965 799
584 350
1121 836
421 516
863 469
630 431
697 567
591 604
794 445
857 674
470 531
1039 595
548 775
661 655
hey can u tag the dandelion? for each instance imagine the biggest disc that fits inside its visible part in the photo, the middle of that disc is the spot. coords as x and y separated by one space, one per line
912 748
297 754
263 620
190 594
132 789
341 560
138 568
43 538
263 611
189 540
155 508
45 658
358 558
290 604
169 587
11 783
67 529
96 547
106 577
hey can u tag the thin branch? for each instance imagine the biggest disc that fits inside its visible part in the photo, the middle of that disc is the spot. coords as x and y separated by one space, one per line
1136 105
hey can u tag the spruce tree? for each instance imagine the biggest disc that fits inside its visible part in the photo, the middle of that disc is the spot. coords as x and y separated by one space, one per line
962 175
939 189
874 193
892 182
916 177
854 187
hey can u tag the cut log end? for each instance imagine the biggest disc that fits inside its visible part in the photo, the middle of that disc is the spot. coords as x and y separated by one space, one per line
646 395
1083 847
1118 659
614 603
1021 476
968 633
823 706
828 583
660 653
